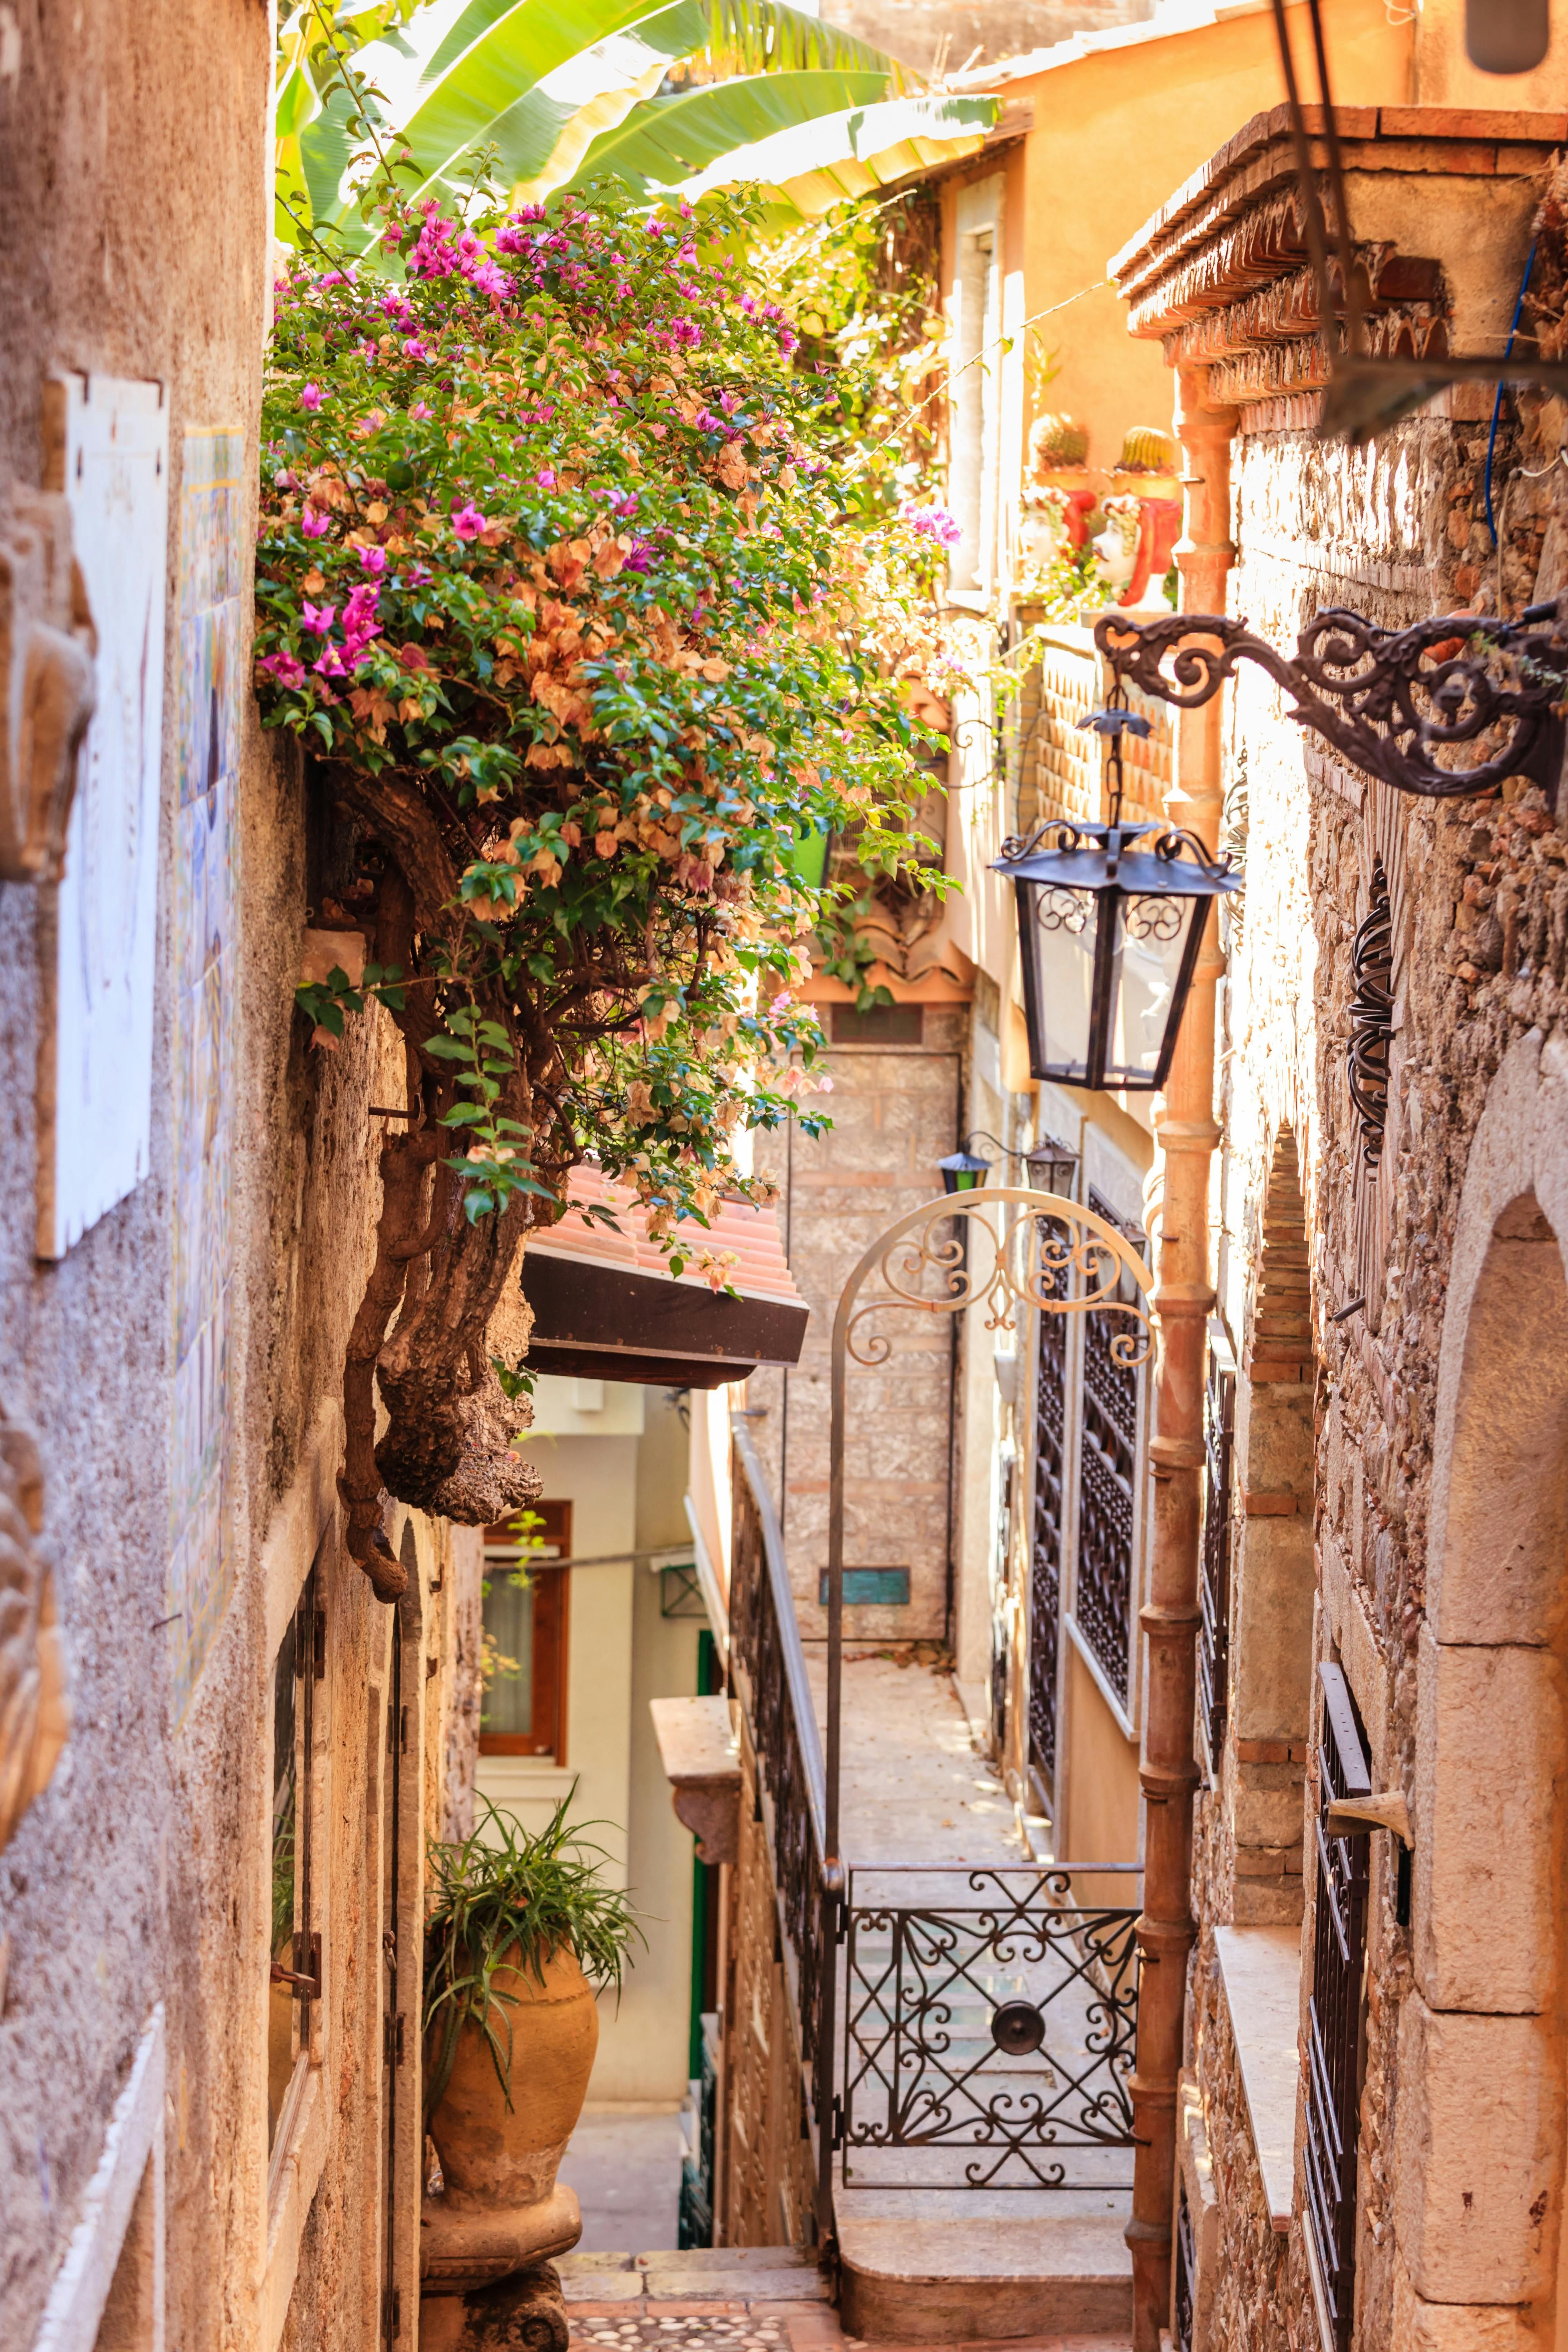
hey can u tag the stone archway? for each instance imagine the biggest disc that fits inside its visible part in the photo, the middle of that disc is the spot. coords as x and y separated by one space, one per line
1479 2176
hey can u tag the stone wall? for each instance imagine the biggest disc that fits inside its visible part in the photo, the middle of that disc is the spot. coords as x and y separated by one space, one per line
1478 891
896 1111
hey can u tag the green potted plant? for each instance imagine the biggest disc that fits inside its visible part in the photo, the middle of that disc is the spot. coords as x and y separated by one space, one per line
520 1929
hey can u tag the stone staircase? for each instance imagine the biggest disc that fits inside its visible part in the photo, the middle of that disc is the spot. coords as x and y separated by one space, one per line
922 2261
775 2299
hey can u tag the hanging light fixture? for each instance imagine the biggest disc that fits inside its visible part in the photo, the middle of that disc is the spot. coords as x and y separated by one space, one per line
1110 916
1050 1167
963 1170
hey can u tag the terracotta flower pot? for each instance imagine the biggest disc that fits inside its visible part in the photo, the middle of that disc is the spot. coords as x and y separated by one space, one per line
501 2157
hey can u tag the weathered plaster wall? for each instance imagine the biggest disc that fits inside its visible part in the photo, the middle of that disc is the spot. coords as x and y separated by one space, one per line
133 230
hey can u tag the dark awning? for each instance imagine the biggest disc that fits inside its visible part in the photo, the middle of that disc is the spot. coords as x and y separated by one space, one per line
606 1306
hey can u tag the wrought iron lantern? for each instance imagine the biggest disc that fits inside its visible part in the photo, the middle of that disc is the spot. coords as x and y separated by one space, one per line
1110 919
1050 1167
963 1170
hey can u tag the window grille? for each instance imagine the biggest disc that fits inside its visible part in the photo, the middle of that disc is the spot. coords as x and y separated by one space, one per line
1334 2012
1109 1451
1046 1534
1214 1633
1008 1486
1185 2289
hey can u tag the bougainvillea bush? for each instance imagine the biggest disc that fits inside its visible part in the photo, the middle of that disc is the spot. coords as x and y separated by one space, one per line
555 585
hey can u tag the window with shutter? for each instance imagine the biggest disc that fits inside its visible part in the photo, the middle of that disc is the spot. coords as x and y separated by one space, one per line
1334 2012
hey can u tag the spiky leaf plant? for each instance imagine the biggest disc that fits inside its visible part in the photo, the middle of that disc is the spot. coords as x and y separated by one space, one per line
503 1900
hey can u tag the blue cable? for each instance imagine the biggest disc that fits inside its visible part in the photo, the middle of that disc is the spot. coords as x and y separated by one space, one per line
1497 405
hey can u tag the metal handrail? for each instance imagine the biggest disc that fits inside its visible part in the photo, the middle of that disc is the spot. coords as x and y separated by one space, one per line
799 1687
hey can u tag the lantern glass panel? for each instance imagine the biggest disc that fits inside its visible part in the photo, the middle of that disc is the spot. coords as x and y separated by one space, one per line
1150 944
1064 962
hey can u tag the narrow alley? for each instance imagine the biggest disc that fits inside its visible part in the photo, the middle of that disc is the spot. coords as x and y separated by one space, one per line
783 1293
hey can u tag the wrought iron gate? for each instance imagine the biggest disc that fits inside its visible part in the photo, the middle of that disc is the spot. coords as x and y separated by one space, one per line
989 2020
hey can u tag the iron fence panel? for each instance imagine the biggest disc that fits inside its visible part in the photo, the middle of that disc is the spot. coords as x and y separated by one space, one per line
990 2028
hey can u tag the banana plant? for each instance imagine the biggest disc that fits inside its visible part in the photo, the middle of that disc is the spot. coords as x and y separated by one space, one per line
543 92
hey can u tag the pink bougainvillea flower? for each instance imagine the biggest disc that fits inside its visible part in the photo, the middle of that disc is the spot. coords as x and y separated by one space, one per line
360 623
372 559
488 279
319 618
422 410
283 666
314 524
545 478
414 349
931 523
469 522
310 395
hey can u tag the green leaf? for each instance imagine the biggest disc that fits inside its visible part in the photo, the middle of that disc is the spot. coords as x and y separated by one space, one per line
825 152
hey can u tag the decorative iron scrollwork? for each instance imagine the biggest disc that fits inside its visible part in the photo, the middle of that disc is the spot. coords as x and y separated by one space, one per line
1070 1261
989 2032
1372 1017
1399 704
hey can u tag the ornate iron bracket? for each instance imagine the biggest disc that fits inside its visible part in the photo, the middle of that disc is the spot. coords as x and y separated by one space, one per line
1400 704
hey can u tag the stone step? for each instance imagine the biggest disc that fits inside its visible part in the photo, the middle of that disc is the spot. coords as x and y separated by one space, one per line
950 2278
696 2274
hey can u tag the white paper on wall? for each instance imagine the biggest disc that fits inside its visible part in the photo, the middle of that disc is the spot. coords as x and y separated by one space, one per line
98 926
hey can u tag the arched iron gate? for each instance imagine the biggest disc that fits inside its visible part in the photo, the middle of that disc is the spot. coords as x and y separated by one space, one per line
959 2027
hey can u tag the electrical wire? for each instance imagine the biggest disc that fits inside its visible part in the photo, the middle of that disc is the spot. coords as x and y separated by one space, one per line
1497 404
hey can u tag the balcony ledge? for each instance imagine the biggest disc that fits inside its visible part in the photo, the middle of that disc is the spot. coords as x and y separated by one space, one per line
702 1760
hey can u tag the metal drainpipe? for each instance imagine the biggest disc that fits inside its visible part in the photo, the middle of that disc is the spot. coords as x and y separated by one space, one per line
1183 1295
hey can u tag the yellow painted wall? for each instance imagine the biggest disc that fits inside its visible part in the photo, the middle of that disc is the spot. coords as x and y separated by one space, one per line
1445 76
1114 136
1100 1813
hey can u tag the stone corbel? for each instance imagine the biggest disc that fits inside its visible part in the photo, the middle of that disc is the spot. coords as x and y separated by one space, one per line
703 1764
1386 1811
35 1711
48 646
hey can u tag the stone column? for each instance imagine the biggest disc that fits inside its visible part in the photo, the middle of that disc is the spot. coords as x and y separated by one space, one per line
1184 1297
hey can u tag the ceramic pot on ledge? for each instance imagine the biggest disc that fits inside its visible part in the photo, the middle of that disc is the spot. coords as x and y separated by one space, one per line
500 2208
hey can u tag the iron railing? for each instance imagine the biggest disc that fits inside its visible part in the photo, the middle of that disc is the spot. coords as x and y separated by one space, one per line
767 1667
1334 2011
